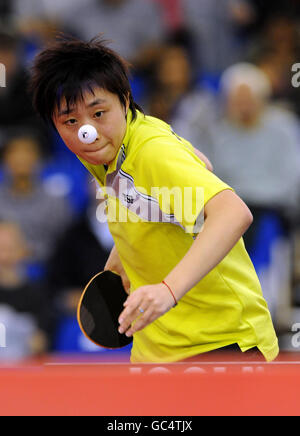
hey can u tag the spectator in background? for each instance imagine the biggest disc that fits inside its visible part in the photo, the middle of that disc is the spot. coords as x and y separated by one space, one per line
24 308
265 10
260 142
41 216
172 14
135 27
256 151
275 50
216 27
15 103
39 20
176 98
79 255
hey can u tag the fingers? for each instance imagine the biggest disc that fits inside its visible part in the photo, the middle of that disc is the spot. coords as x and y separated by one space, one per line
141 322
153 299
129 315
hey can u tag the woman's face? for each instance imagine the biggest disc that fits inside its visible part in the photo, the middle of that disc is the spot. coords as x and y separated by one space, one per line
104 111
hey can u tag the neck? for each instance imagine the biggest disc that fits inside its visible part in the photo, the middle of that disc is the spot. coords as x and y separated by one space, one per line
247 122
22 185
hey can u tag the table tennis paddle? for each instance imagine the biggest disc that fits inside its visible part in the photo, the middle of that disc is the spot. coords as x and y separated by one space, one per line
99 308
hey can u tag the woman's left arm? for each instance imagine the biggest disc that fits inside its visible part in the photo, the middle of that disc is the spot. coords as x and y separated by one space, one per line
226 220
204 159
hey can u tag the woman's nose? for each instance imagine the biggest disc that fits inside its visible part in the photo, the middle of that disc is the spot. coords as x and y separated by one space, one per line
87 134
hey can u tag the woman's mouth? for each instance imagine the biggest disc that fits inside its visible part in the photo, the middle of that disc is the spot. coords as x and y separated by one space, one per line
95 151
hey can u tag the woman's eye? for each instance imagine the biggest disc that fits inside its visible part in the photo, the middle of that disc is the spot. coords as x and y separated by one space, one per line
71 122
99 114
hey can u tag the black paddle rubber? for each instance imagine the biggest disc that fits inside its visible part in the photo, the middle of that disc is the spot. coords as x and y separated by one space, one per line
99 309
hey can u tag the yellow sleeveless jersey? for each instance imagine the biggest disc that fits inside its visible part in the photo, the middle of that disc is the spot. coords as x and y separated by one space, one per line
155 190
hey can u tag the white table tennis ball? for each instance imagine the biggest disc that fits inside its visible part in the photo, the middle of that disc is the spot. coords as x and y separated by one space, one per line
87 134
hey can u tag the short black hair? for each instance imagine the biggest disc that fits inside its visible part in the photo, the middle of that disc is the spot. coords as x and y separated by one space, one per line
68 67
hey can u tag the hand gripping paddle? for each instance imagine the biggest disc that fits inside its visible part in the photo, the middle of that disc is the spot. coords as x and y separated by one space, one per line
99 308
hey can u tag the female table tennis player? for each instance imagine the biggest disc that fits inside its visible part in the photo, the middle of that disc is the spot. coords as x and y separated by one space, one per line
193 288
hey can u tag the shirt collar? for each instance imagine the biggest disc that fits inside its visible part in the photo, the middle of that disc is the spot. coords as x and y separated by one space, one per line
123 150
98 170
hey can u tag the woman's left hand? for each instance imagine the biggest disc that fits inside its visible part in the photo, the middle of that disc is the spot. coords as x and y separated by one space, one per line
144 306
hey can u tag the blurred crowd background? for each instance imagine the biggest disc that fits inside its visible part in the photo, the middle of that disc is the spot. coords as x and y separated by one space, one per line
220 72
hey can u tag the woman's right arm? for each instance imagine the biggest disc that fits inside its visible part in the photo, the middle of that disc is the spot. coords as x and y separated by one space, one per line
114 264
